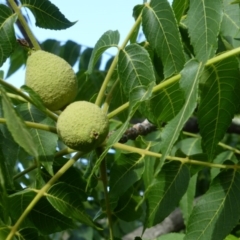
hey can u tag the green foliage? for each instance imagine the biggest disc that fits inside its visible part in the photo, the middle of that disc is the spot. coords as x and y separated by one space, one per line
186 68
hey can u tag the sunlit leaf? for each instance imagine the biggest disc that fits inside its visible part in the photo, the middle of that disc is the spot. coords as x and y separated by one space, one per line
17 127
190 146
7 34
165 192
47 14
107 40
127 169
204 19
219 102
134 68
217 208
189 83
160 28
67 202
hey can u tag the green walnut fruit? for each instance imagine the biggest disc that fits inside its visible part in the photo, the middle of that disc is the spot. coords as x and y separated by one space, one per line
52 78
83 126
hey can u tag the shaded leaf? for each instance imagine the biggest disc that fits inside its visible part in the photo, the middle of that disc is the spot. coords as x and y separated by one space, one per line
204 19
187 201
165 192
47 14
134 68
189 83
126 170
7 34
219 102
51 45
85 59
217 208
43 216
126 207
160 28
45 141
70 52
107 40
179 8
17 127
66 200
17 59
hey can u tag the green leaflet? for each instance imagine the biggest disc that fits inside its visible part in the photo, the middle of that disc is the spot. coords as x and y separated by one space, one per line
7 34
165 192
217 208
160 28
45 141
126 170
204 19
68 202
179 8
165 104
189 83
47 14
134 68
219 102
21 134
107 40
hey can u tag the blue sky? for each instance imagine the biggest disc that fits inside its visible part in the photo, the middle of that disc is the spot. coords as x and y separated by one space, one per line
94 18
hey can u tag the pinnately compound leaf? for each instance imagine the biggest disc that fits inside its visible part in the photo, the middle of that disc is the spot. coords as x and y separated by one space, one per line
7 34
107 40
160 28
135 68
219 102
218 211
47 14
204 19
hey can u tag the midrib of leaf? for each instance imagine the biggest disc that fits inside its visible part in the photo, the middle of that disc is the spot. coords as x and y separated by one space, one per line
173 60
218 114
170 100
182 118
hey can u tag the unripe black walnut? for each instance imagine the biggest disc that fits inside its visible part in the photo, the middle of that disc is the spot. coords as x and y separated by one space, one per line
52 78
83 126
